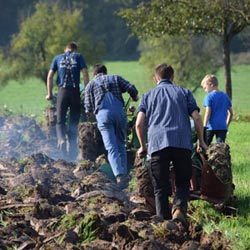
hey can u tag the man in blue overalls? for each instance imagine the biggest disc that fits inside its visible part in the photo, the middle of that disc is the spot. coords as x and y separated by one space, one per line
68 67
103 97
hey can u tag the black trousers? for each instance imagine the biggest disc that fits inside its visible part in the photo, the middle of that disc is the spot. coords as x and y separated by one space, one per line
160 175
220 136
68 101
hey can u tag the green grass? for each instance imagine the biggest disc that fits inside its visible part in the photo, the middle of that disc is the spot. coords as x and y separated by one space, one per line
133 72
29 98
237 228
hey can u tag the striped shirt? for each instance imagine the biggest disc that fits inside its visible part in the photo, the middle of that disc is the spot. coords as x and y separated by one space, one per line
95 90
167 110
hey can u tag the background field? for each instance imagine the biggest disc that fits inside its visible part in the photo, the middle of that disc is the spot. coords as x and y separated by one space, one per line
28 98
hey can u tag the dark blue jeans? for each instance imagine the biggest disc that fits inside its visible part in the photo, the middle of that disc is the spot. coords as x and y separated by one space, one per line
220 136
159 171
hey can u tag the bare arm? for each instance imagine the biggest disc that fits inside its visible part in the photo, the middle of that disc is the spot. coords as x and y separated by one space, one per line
207 116
229 116
199 129
85 76
140 131
50 76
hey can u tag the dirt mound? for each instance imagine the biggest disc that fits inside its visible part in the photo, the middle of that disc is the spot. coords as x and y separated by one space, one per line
49 203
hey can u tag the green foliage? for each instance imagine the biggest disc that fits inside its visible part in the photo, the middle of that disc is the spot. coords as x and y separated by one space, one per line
191 57
89 227
45 34
104 24
159 17
100 22
224 19
66 222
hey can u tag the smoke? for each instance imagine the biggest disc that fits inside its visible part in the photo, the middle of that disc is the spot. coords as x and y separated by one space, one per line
21 136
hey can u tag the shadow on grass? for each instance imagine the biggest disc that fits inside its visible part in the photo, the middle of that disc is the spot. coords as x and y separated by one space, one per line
242 204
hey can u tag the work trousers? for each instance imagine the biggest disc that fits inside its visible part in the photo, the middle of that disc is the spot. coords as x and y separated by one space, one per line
160 175
68 99
112 124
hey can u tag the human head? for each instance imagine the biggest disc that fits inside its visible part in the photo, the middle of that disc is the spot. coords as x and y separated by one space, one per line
209 83
72 46
164 71
99 68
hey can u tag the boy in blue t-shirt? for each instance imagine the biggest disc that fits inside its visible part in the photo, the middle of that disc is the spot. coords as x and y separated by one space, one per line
218 114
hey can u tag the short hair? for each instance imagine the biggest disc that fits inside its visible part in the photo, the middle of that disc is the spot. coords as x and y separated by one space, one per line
210 80
99 68
72 46
164 71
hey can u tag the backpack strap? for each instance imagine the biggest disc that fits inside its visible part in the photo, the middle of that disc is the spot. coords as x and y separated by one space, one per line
98 83
68 63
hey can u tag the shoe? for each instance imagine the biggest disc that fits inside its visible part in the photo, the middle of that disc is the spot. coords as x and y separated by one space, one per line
179 216
122 181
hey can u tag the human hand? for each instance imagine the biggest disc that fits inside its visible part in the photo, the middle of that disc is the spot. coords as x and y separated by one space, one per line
201 147
88 113
49 97
135 99
141 152
132 109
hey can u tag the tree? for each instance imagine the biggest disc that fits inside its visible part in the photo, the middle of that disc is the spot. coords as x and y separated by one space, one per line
100 22
189 55
42 36
223 18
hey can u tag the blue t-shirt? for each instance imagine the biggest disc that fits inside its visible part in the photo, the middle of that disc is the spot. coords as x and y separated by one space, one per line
68 67
219 103
168 109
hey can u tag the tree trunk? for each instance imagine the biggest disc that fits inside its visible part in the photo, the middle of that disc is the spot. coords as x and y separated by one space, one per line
227 66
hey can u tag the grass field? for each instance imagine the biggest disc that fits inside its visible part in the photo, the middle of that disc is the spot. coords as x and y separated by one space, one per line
29 99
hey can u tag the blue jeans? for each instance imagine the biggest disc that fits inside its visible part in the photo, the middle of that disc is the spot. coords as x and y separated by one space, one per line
112 124
159 172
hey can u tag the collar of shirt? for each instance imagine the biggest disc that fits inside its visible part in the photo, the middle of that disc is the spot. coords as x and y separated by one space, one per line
67 53
99 74
164 81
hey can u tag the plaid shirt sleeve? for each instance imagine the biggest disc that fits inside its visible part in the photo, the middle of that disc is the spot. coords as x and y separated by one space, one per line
88 99
126 86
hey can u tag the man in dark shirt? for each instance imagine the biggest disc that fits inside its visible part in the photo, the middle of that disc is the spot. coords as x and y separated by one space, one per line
68 66
165 111
103 97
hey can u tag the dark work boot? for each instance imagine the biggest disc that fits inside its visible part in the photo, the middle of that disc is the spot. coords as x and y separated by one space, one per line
122 181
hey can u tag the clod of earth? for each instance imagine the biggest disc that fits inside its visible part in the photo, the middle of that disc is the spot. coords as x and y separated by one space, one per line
49 203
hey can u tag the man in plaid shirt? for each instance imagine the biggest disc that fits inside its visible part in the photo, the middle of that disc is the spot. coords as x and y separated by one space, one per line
103 98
